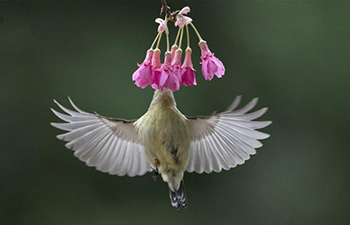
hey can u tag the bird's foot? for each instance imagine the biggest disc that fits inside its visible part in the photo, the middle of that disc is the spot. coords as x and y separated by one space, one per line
156 172
156 175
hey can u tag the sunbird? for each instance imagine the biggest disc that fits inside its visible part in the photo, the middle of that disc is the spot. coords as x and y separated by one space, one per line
164 140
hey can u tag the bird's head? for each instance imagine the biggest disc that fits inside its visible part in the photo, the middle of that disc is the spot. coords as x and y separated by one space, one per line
163 98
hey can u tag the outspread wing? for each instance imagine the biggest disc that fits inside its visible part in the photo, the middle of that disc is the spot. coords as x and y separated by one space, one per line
226 139
110 145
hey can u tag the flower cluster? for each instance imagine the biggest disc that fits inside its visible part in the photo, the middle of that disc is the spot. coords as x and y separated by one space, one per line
173 73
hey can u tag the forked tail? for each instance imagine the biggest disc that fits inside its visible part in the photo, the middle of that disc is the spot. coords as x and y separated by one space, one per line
178 198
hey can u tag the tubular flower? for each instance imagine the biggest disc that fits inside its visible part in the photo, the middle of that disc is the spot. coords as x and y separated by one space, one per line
162 24
155 69
188 77
182 20
175 72
173 50
176 63
210 64
142 76
167 77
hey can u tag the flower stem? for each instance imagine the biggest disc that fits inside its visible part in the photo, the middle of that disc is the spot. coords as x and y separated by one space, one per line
155 39
196 31
160 38
188 37
167 41
167 36
165 9
177 36
182 32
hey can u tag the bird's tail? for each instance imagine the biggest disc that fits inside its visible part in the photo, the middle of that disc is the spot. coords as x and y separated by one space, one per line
178 198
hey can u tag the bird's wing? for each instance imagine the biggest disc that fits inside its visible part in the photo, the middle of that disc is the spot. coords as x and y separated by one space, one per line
110 145
226 139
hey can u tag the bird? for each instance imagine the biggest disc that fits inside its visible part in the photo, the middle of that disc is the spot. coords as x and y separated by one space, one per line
164 140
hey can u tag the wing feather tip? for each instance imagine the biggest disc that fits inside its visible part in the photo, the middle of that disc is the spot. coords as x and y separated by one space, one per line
57 125
253 153
69 145
54 124
268 122
76 107
264 136
265 123
53 110
234 103
61 136
265 109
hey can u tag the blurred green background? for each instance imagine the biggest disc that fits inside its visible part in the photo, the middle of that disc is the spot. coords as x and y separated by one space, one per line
293 55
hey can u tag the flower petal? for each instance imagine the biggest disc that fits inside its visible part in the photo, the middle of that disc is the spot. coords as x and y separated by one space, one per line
181 20
155 78
173 50
142 76
211 65
188 77
159 20
156 59
176 60
220 67
173 82
205 70
185 10
163 77
162 24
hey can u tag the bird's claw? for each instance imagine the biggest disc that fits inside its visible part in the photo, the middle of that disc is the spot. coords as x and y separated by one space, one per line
156 172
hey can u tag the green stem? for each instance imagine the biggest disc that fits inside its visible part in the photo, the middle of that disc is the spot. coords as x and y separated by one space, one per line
160 38
167 36
167 42
155 41
196 31
188 37
177 36
182 32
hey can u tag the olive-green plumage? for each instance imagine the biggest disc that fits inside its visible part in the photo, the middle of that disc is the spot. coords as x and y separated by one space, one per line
166 135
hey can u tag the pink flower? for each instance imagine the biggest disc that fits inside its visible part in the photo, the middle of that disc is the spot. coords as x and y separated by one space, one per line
210 64
182 20
173 50
176 63
142 76
188 77
155 71
185 10
162 25
167 78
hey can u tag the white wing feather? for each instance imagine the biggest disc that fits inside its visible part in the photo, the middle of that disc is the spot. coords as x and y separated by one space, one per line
110 145
227 139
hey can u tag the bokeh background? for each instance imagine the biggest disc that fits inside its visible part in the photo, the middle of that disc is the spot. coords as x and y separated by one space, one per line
293 55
